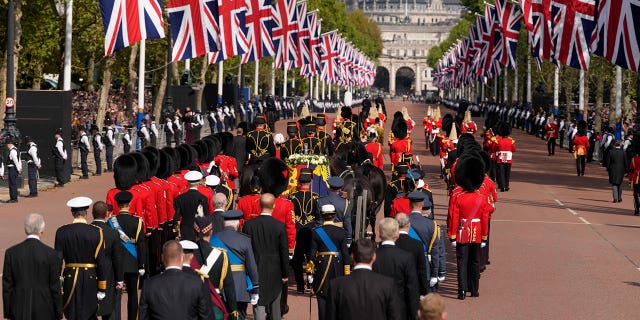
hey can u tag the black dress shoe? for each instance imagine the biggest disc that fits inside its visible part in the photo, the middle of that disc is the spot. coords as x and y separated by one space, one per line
84 177
462 295
11 201
483 268
475 294
32 196
488 262
97 174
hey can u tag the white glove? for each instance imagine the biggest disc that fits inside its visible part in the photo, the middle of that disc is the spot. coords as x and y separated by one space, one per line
483 244
310 279
254 299
453 244
141 272
101 295
440 279
290 257
433 281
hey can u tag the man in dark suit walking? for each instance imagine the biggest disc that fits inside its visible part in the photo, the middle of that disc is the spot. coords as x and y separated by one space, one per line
30 278
131 233
364 294
184 290
405 242
269 241
399 264
113 262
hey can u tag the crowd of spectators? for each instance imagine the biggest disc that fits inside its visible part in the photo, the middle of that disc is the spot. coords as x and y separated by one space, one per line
85 108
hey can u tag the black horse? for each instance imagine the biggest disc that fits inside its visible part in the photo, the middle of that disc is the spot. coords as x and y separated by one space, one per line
353 164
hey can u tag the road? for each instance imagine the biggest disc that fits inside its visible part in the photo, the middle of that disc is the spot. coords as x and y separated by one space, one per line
560 249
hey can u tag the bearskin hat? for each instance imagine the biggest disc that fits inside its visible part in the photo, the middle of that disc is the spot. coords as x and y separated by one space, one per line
175 158
582 128
505 129
400 130
187 156
469 171
467 143
491 122
143 173
244 126
487 161
215 145
124 171
273 176
447 123
165 165
154 163
345 112
203 151
227 142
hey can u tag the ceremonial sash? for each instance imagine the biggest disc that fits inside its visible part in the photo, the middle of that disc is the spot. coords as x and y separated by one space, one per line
126 241
233 258
327 241
427 249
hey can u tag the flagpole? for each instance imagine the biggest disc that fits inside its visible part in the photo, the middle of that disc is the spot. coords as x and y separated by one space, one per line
220 77
273 77
515 85
67 47
495 89
284 87
505 92
323 93
618 91
556 88
528 78
141 66
310 87
581 91
481 91
256 75
317 83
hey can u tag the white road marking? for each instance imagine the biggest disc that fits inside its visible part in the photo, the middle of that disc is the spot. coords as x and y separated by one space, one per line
572 211
584 220
559 203
536 221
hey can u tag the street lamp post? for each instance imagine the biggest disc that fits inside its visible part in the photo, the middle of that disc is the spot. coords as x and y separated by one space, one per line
10 130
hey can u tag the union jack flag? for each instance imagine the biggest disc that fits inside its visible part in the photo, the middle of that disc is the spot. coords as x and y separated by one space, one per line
194 28
129 21
304 33
231 21
329 57
573 24
617 38
537 19
313 67
259 21
509 17
285 34
491 65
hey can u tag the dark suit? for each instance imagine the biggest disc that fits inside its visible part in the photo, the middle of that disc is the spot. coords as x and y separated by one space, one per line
174 294
30 282
363 295
269 241
113 270
414 247
186 206
239 151
394 262
134 228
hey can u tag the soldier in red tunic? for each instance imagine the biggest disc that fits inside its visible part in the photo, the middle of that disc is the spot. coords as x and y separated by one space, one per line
580 147
504 154
375 149
551 133
401 143
467 222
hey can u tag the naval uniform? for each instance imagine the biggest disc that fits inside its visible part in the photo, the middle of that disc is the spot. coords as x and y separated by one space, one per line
343 212
243 265
219 272
331 259
113 269
82 247
305 208
186 207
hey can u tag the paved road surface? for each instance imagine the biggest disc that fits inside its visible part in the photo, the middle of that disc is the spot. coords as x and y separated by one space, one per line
560 249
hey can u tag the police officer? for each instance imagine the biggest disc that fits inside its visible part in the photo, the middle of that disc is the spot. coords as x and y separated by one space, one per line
60 158
33 164
131 230
427 232
243 264
342 206
259 142
110 143
305 204
98 146
84 279
294 144
126 140
84 147
153 132
13 167
143 134
330 256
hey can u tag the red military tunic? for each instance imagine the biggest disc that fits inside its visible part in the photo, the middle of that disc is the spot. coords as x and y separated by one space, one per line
428 124
551 131
505 149
135 206
228 168
161 187
580 145
468 218
410 125
159 202
399 147
207 192
376 152
179 180
172 193
250 206
368 122
634 170
400 204
488 188
149 214
283 211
